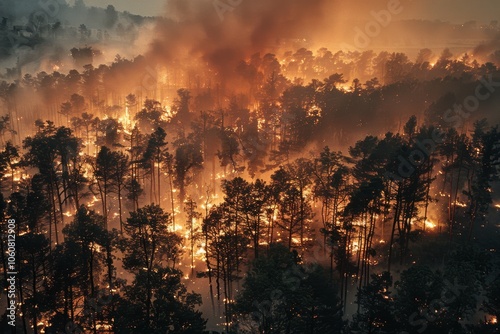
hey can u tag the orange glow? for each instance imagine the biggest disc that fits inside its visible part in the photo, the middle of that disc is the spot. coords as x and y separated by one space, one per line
430 225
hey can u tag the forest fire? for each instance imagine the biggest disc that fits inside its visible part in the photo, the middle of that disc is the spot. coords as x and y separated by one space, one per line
430 225
241 159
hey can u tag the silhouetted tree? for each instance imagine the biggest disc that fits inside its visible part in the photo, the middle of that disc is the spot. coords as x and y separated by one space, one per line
280 295
376 305
148 248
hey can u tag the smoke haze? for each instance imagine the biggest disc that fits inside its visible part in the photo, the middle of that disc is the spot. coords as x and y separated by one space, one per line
223 36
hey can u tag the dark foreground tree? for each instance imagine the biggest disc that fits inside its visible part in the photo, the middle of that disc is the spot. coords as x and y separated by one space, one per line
173 307
157 301
281 295
419 305
376 306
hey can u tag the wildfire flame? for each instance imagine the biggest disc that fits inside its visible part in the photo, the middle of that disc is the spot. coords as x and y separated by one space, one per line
430 225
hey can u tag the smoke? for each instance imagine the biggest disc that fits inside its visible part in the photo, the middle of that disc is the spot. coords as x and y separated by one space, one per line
221 34
13 10
38 35
487 50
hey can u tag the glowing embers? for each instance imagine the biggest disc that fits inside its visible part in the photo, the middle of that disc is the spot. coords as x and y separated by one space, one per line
346 87
175 228
104 326
460 204
201 251
18 175
92 201
430 225
220 176
297 241
355 246
359 223
126 121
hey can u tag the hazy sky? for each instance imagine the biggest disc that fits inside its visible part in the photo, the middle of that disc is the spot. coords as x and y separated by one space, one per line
458 10
446 10
142 7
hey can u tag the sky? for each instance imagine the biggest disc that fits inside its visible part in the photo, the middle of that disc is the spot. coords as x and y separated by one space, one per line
141 7
458 10
446 10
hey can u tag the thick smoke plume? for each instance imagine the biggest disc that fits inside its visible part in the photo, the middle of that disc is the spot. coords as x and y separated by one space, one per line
221 34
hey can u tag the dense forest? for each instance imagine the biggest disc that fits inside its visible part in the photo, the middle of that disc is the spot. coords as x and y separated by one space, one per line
293 191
